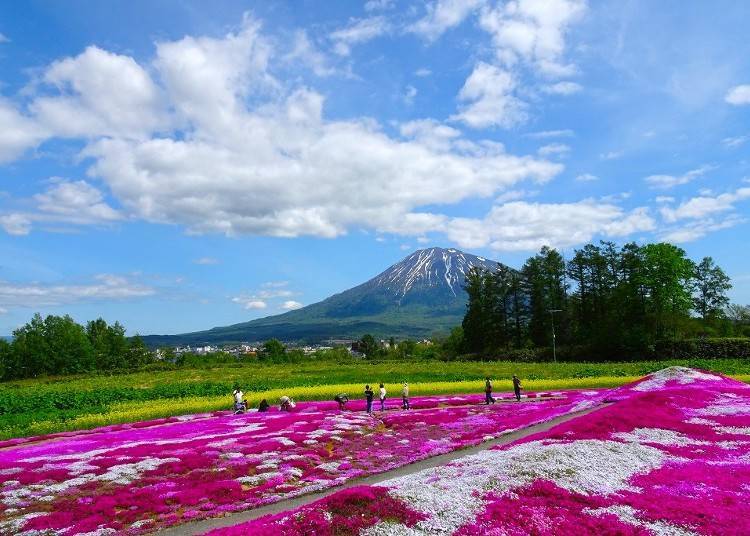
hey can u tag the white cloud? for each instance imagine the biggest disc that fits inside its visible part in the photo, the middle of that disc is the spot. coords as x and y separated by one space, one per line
587 177
100 94
422 72
670 181
705 205
15 224
409 95
206 261
611 155
405 247
738 95
359 31
4 39
735 141
545 134
104 287
523 226
250 303
694 230
245 155
291 305
3 311
442 15
554 149
488 99
664 199
533 31
562 88
69 202
513 195
75 202
306 54
18 132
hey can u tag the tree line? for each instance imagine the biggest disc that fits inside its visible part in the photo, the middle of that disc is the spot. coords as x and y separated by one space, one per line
59 345
605 301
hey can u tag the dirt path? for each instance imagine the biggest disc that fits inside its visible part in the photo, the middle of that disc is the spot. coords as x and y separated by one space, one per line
199 527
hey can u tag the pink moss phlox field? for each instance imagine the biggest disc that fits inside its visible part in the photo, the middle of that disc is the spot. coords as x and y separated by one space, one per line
342 514
671 456
140 477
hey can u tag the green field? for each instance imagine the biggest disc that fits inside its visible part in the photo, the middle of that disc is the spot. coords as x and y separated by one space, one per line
32 407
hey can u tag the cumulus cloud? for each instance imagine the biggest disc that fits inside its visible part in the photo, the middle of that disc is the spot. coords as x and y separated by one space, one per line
103 287
488 100
15 224
100 94
358 31
534 32
443 15
705 205
738 95
19 132
291 305
523 226
69 202
231 150
75 202
670 181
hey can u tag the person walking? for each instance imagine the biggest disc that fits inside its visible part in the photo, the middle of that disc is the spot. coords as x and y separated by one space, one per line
382 397
488 399
517 387
369 394
405 396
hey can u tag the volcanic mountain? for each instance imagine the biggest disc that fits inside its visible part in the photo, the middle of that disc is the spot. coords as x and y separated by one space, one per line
417 297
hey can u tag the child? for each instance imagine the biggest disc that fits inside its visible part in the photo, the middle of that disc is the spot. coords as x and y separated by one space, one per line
382 397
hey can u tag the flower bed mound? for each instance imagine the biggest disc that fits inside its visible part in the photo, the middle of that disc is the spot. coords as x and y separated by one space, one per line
147 476
671 456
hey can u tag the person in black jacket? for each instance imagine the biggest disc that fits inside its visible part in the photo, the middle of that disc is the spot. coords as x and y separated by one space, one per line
517 387
369 394
263 406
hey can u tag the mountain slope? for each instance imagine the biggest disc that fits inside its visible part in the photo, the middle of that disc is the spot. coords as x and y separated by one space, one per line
419 296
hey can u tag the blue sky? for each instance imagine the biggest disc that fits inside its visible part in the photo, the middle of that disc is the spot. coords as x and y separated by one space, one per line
183 165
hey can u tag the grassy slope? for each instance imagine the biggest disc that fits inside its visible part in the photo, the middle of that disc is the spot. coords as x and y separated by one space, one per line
87 402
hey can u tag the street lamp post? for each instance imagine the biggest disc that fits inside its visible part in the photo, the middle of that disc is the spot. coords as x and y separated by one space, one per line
552 316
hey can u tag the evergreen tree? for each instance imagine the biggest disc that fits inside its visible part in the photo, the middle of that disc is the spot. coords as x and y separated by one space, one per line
710 289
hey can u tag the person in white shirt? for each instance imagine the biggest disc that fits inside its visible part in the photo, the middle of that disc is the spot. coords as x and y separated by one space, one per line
239 402
382 397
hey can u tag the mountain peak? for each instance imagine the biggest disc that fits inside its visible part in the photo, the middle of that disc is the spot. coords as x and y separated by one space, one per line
430 269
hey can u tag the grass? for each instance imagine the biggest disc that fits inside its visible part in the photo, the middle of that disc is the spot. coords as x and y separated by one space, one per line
34 407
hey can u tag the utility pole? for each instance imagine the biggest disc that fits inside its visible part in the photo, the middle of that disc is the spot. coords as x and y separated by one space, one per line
552 316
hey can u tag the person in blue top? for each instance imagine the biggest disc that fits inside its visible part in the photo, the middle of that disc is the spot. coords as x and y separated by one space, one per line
369 395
